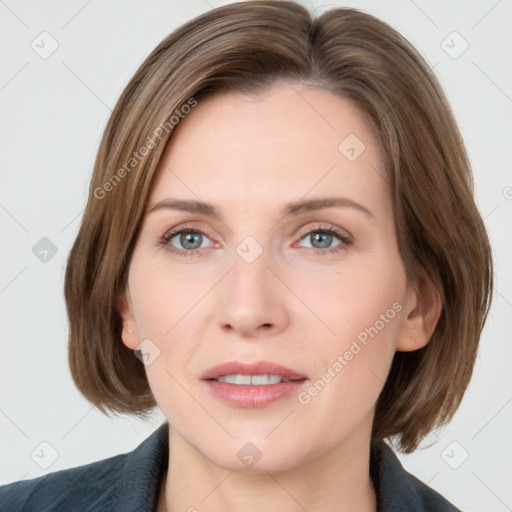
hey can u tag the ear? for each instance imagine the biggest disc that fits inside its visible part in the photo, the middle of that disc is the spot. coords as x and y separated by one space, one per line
422 310
130 334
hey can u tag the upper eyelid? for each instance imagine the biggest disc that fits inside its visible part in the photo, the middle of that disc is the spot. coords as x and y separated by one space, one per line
326 227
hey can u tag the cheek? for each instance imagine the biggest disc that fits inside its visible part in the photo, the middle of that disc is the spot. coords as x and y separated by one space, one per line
352 369
161 300
359 296
164 320
361 305
169 312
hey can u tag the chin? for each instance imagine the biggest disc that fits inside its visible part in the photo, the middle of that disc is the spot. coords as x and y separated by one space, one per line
253 457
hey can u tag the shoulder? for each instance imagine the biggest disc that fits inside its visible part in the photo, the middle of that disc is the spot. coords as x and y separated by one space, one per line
107 484
61 490
400 491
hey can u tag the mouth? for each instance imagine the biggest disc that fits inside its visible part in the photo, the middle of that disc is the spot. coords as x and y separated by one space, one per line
252 385
255 374
252 380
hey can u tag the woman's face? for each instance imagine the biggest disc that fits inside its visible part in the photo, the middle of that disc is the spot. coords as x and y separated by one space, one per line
321 292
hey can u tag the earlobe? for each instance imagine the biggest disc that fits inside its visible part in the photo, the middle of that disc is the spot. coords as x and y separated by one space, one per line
422 310
129 334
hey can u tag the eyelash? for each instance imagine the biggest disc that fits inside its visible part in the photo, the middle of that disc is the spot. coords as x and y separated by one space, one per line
346 241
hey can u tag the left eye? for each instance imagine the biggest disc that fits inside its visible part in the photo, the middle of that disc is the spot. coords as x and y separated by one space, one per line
323 238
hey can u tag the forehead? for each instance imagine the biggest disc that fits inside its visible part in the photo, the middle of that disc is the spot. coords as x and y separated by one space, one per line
284 143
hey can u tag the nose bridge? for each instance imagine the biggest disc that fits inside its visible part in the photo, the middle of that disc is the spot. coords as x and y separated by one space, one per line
251 296
250 266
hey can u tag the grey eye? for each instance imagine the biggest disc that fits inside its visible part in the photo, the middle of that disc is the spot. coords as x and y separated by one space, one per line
189 240
320 239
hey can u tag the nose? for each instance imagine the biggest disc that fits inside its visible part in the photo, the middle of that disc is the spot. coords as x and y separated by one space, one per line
253 299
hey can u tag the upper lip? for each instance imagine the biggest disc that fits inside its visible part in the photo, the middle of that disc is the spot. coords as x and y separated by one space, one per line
258 368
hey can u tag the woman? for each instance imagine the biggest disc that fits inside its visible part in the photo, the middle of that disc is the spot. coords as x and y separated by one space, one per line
281 227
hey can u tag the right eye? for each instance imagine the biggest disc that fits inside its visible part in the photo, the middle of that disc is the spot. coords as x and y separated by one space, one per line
190 240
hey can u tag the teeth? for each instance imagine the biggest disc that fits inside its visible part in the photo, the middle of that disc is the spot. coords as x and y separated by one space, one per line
242 379
252 380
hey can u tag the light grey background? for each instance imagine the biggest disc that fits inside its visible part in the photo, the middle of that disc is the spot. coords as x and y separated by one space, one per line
53 111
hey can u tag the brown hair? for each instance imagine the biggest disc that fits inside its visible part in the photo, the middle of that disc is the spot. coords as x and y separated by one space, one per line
246 47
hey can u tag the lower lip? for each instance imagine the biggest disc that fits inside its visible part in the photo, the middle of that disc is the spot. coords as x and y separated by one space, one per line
251 397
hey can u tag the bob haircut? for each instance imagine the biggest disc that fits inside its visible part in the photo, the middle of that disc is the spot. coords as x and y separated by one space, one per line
246 47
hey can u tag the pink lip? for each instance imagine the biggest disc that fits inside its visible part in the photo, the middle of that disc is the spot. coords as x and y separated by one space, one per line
251 397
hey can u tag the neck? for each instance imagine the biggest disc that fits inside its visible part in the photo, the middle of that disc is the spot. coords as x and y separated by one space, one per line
337 480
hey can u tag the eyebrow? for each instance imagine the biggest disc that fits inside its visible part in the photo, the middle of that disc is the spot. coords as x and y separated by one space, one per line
290 209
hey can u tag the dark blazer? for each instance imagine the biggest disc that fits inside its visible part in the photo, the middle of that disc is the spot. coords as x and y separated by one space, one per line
130 482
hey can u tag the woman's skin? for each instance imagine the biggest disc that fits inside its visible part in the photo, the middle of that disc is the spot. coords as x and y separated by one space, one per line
250 156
